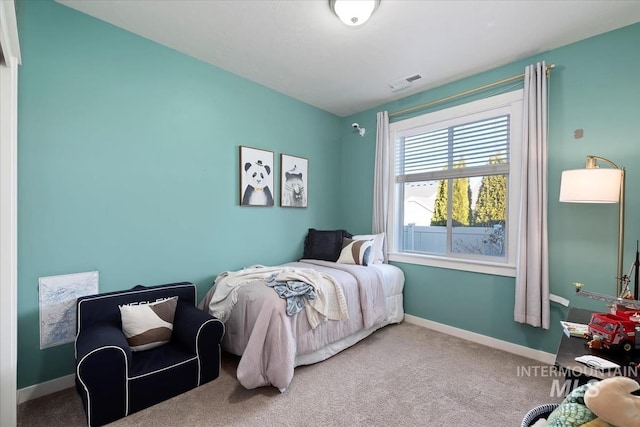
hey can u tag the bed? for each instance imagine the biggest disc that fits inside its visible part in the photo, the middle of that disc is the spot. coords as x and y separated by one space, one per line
272 342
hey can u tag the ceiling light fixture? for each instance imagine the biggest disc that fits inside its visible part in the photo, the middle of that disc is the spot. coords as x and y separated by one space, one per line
353 12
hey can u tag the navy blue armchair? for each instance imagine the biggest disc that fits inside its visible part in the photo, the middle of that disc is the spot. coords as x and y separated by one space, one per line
113 381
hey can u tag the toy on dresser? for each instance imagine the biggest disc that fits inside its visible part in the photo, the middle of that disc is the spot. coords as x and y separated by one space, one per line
605 403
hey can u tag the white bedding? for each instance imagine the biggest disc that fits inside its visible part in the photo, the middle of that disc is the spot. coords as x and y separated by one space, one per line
271 343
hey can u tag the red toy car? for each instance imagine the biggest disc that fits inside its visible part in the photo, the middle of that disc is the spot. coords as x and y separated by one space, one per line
615 331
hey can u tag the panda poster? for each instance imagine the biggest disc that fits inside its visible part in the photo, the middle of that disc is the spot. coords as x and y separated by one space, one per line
256 177
293 181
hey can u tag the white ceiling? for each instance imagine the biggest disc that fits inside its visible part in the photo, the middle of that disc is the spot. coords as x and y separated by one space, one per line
301 49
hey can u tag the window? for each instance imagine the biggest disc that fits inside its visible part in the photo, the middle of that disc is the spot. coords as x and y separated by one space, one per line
456 186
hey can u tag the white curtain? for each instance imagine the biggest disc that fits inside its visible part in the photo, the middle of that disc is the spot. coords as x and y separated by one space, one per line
532 269
381 179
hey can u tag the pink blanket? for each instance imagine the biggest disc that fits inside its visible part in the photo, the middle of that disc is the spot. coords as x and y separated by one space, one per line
268 341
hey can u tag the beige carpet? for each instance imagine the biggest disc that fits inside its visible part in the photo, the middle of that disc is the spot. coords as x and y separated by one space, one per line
402 375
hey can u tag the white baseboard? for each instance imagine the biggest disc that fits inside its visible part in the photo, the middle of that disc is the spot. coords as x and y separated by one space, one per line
509 347
58 384
47 387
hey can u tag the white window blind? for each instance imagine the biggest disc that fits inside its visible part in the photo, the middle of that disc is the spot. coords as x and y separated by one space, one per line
457 151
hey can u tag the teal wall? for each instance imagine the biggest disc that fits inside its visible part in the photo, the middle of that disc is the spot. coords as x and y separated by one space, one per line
128 164
594 87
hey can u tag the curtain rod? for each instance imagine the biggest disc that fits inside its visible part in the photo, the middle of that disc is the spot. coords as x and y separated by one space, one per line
466 92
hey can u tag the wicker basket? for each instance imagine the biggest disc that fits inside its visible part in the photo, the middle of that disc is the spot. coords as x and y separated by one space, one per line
542 411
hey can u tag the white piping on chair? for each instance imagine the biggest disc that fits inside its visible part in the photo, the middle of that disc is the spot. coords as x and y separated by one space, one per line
126 370
163 369
198 349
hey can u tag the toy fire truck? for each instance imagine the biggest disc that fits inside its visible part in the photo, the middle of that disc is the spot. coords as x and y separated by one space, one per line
618 329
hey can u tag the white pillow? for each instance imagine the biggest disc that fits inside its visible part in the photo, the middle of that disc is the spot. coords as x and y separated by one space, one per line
355 252
377 256
147 326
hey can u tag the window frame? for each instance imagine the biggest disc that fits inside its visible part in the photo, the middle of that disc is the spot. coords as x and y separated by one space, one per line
512 103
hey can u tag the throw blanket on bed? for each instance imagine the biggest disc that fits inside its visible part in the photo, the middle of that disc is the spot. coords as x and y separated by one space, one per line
270 344
329 302
294 291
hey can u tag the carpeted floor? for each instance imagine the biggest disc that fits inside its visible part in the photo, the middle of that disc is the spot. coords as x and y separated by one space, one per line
402 375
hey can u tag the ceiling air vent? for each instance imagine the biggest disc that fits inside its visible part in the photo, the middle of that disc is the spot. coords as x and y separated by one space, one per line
404 83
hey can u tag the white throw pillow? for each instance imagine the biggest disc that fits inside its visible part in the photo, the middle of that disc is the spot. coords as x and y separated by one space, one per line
147 326
377 256
355 252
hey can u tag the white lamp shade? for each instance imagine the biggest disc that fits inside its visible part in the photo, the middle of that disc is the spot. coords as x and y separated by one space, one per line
354 12
590 185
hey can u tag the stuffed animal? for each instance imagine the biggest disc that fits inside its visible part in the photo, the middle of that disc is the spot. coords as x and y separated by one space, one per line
572 412
606 403
257 191
612 401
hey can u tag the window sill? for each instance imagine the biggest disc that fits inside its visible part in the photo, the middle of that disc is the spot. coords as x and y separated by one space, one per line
497 269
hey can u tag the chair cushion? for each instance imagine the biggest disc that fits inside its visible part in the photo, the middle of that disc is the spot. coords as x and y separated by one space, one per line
160 374
147 326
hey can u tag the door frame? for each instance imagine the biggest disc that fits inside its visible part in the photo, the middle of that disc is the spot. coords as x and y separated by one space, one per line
10 49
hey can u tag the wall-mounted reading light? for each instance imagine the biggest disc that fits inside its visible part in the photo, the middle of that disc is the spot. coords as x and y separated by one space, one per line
356 127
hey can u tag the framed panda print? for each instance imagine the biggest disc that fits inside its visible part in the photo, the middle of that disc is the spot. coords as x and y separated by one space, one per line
294 181
256 177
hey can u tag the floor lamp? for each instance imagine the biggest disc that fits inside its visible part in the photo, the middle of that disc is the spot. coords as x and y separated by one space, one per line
595 185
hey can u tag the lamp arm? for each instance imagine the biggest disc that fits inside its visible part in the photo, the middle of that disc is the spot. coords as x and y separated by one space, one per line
591 162
621 233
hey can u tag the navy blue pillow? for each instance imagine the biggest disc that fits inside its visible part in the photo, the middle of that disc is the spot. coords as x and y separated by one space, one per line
325 245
